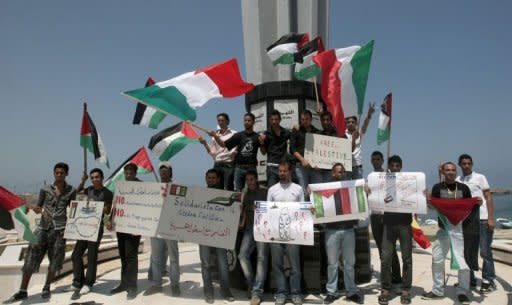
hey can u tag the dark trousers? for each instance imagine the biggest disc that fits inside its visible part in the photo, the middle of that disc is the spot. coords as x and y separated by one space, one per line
377 223
392 233
92 261
226 177
128 246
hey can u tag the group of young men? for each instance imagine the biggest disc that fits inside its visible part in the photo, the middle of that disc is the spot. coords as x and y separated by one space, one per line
235 161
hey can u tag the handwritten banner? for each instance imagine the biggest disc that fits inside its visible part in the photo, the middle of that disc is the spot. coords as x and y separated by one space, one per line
284 223
137 207
84 219
204 216
339 201
324 151
397 192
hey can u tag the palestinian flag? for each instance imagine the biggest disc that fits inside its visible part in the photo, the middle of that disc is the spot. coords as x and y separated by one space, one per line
455 210
384 131
285 50
180 96
140 158
147 116
418 235
344 78
170 141
308 69
90 139
16 206
338 199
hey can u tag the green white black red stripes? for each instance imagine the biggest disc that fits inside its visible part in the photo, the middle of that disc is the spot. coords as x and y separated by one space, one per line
91 140
139 158
16 206
306 68
180 96
285 50
170 141
147 116
384 130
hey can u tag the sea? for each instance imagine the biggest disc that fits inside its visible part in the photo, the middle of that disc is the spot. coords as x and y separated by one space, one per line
502 208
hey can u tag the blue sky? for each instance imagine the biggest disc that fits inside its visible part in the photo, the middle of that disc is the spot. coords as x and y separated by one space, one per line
445 62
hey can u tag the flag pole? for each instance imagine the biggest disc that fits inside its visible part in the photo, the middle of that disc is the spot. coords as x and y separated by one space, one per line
85 150
316 94
199 127
156 177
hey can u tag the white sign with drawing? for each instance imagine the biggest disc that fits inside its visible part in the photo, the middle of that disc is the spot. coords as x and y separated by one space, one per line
324 151
284 222
397 192
204 216
84 219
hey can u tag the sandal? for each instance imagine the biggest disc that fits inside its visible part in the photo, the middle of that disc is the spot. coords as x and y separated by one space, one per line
405 298
384 298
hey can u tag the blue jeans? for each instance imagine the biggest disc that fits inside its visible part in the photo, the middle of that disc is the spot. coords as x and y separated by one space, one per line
357 173
340 242
272 175
488 273
159 258
240 177
261 269
293 252
247 246
222 264
307 176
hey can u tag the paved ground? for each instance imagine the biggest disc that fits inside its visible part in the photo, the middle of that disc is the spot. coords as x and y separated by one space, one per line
108 277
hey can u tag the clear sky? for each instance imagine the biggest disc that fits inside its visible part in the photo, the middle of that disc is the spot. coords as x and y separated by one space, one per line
446 62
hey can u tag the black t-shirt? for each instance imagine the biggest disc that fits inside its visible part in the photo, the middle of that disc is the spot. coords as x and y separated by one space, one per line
247 147
276 145
260 194
298 139
104 195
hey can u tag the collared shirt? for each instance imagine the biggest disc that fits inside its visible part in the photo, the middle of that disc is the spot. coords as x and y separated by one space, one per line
276 145
298 139
477 184
54 206
285 192
222 154
357 159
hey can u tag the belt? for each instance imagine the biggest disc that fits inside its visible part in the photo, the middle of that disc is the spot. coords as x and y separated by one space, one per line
357 166
246 166
225 164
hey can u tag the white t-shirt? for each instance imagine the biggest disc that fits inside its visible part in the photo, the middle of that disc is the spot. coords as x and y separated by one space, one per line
289 192
357 159
477 183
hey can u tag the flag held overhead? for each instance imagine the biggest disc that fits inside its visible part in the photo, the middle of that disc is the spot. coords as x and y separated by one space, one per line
168 142
147 116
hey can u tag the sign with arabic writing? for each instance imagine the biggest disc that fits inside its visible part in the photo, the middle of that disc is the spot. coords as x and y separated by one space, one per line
204 216
137 207
397 192
84 220
324 151
284 223
339 201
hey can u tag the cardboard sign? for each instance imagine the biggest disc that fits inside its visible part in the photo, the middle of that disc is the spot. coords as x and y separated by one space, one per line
324 151
84 219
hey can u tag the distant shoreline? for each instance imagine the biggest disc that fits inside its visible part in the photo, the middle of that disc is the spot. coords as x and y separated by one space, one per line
501 191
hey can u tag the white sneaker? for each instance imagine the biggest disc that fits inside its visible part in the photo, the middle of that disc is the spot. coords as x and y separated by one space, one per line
71 288
85 289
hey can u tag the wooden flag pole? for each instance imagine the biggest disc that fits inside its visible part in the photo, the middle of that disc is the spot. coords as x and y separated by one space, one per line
85 150
388 147
199 127
316 94
154 173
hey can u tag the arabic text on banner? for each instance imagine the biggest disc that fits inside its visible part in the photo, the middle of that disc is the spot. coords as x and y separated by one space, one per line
84 220
397 192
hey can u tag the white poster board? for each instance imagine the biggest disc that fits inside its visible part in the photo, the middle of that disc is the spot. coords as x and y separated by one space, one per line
325 151
339 201
397 192
284 223
311 106
260 114
203 216
289 110
137 207
84 219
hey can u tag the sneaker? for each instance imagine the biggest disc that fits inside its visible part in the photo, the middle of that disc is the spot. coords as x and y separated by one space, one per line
131 294
297 300
487 287
356 298
228 296
46 294
255 300
330 298
18 296
175 291
463 299
431 296
209 299
85 289
71 288
76 295
152 290
280 301
117 289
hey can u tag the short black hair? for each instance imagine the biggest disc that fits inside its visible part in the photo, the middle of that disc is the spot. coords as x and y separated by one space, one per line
326 113
395 159
169 167
252 172
286 162
352 117
275 112
62 165
96 170
337 164
225 115
306 112
212 171
250 115
448 163
378 153
465 156
131 166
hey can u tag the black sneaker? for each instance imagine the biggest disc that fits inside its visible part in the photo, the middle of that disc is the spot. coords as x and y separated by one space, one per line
131 294
431 296
356 298
46 294
152 290
18 296
175 291
117 289
487 287
76 295
209 299
463 299
330 298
